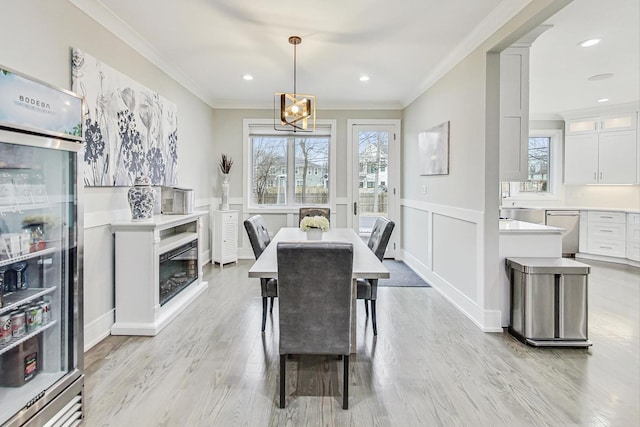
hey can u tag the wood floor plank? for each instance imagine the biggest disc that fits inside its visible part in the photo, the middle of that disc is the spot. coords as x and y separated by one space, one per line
429 366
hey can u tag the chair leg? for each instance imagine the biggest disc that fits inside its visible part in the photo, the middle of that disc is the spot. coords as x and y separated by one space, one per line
345 391
373 317
271 309
264 312
366 307
283 370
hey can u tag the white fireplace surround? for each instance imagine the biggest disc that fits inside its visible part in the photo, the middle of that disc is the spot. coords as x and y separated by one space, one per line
138 246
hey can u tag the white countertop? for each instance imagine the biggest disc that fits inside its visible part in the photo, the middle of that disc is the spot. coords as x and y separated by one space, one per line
511 226
573 208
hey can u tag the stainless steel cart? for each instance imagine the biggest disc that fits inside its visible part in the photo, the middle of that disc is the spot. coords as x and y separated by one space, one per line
549 301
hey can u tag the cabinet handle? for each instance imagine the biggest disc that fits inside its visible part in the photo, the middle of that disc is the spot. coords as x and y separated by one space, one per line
608 217
606 231
606 247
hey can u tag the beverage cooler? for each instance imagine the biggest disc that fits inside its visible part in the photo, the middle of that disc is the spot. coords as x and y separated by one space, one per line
41 345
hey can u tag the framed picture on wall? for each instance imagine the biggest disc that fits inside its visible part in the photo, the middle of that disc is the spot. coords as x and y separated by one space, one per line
433 150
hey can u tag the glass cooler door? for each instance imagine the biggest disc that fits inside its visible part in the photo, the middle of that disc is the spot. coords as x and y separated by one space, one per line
37 269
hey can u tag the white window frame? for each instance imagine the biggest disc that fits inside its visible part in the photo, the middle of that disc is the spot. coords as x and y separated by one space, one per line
556 150
265 127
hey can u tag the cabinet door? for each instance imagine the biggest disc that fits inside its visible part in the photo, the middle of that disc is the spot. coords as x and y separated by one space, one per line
581 159
514 113
614 123
617 157
578 126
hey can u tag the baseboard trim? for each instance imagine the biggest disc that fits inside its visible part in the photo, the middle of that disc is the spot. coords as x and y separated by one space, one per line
99 329
486 320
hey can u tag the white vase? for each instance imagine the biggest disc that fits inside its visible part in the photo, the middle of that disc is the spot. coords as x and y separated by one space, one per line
314 234
224 206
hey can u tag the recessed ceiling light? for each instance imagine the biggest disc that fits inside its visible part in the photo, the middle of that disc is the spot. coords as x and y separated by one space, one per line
600 77
603 100
364 78
247 77
590 42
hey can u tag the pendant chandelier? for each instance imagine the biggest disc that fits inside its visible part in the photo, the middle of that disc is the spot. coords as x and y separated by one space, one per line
293 111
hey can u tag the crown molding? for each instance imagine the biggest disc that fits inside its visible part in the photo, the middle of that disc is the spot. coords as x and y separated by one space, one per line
601 110
104 16
496 19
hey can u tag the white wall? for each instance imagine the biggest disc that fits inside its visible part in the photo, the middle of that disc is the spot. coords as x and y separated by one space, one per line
450 233
36 38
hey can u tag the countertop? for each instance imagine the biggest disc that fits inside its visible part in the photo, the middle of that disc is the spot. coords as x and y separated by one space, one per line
511 226
573 208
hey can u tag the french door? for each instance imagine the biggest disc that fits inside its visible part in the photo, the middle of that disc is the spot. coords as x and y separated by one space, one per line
375 176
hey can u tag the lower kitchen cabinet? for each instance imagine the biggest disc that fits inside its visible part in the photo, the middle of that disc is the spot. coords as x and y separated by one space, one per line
633 236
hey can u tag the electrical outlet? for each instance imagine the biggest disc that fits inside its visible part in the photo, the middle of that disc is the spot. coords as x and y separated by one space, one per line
424 189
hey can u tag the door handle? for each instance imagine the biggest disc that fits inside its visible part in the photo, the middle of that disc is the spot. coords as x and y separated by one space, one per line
355 208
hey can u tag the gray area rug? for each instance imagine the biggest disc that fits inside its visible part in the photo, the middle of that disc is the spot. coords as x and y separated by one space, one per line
401 275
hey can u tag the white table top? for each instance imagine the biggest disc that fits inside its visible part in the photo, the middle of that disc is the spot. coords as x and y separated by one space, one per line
365 263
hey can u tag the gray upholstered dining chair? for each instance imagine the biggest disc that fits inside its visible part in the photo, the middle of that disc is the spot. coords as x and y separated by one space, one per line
368 288
315 281
325 212
259 238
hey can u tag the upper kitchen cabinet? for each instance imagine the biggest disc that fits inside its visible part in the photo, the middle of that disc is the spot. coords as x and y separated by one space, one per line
602 150
514 113
514 107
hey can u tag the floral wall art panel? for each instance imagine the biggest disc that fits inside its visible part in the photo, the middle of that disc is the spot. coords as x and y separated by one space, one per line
129 129
433 150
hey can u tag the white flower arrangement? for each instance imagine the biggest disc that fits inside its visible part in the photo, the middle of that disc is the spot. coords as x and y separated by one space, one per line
314 222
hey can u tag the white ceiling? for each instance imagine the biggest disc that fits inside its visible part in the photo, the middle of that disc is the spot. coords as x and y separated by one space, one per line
404 45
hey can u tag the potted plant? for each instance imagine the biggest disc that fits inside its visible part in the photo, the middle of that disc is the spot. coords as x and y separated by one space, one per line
314 226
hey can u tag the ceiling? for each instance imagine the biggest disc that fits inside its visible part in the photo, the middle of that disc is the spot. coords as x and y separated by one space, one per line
404 46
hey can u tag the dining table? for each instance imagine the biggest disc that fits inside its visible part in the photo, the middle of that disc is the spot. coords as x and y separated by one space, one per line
365 263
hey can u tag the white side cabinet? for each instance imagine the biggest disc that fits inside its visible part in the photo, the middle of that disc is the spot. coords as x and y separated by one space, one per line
602 150
224 237
633 236
158 271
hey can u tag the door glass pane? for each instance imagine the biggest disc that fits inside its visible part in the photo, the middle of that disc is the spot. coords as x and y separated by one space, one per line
36 258
269 170
373 154
312 171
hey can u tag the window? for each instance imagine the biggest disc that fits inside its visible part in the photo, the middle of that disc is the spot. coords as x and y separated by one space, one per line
274 155
538 165
544 169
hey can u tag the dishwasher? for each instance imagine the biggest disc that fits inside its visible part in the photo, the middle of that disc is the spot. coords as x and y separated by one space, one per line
570 221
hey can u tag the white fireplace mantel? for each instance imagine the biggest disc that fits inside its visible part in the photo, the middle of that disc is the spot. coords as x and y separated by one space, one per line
138 246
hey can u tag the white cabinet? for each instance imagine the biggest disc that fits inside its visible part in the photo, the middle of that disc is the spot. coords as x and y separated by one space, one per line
158 271
601 150
514 113
633 236
606 233
224 237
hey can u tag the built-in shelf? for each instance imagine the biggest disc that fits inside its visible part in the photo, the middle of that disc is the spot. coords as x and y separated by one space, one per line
173 241
28 256
19 340
13 300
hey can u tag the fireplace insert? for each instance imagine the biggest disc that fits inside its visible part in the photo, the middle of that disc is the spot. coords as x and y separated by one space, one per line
178 269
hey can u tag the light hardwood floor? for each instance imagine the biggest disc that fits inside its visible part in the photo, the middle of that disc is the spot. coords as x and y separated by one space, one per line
429 366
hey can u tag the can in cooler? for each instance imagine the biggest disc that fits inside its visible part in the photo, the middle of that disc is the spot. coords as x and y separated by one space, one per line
33 317
5 328
46 312
18 324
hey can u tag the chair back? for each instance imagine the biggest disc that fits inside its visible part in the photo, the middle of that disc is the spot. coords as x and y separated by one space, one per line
325 212
258 234
380 236
315 291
